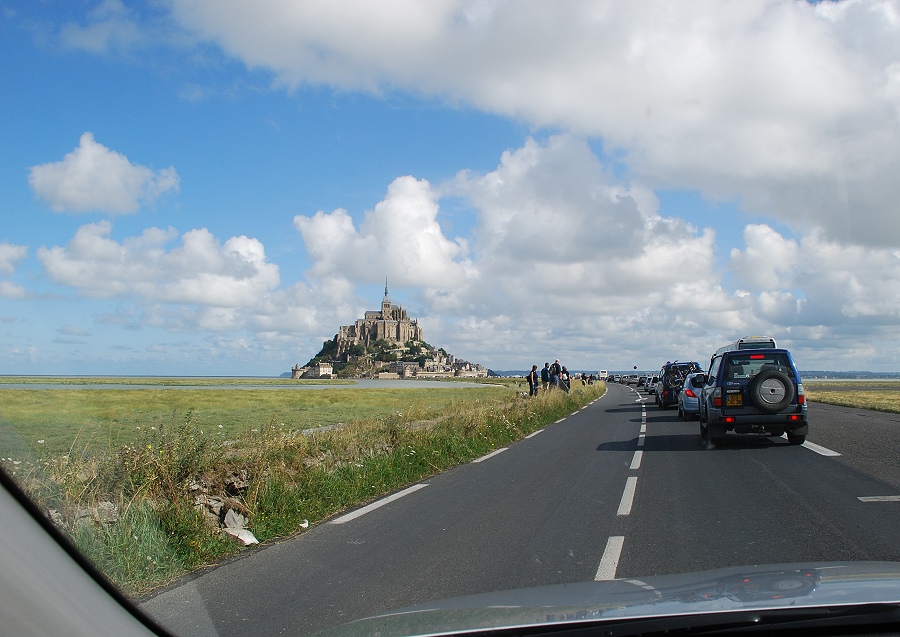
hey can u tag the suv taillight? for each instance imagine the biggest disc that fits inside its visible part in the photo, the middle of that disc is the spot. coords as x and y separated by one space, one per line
717 397
801 397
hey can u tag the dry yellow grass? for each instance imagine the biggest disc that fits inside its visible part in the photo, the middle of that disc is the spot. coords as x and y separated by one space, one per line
876 394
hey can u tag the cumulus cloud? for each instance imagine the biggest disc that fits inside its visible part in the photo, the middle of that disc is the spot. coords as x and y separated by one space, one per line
818 281
94 178
400 238
10 254
200 271
558 248
791 107
110 27
10 290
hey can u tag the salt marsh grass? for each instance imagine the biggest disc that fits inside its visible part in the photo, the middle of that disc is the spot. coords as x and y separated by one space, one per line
125 473
877 394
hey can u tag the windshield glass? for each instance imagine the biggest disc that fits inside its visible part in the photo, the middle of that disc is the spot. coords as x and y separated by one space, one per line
748 366
310 311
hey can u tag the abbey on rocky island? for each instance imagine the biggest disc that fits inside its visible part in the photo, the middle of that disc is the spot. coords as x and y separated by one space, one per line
385 343
390 323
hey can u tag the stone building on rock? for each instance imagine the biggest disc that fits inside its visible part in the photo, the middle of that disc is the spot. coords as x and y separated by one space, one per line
385 343
390 323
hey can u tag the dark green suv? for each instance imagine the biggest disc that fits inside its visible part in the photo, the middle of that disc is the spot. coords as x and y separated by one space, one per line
671 378
753 391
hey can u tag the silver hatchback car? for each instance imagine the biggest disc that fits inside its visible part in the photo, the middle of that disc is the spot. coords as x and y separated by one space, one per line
689 396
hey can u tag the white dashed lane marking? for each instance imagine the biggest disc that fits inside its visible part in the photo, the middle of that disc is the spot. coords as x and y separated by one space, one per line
627 496
610 560
380 503
491 455
636 460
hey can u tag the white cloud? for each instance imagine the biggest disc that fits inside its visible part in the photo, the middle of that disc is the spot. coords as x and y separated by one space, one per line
561 255
401 239
95 178
10 290
73 330
110 27
200 271
789 106
10 254
826 283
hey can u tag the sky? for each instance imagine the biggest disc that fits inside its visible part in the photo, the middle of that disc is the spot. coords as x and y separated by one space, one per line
214 187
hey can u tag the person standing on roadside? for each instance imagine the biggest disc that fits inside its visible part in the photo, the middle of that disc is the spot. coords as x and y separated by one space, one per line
565 380
533 381
545 376
555 371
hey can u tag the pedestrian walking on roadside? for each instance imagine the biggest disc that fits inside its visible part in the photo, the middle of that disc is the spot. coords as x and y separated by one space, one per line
564 380
545 376
555 371
533 381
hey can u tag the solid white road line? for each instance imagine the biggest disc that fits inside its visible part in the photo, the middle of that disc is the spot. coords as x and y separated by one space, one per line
879 498
491 454
380 503
636 461
819 449
627 496
610 560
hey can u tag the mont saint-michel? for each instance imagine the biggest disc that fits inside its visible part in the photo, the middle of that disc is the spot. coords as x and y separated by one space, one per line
385 343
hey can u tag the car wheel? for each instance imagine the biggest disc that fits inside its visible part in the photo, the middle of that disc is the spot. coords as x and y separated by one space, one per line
796 439
703 432
771 391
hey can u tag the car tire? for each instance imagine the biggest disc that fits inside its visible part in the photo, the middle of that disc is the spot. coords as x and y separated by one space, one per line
703 432
680 413
796 439
771 391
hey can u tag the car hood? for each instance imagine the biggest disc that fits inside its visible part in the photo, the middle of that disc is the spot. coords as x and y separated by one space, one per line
712 596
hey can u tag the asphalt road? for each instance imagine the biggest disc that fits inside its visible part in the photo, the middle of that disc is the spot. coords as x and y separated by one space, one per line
618 489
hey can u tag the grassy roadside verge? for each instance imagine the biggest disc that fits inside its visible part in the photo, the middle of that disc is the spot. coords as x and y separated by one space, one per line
888 401
140 510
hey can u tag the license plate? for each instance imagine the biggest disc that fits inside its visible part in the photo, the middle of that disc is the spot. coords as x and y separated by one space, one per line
734 400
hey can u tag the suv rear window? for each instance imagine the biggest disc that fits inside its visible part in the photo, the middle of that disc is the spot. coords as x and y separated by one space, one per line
746 365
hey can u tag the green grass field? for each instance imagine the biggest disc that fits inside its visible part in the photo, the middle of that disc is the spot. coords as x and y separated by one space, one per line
97 420
149 453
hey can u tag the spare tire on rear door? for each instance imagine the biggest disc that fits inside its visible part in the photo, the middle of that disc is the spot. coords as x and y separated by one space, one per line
771 391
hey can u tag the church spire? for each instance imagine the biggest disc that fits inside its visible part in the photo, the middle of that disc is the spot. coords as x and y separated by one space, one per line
386 307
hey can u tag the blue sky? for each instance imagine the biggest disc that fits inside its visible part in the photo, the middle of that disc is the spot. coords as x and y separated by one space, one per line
199 187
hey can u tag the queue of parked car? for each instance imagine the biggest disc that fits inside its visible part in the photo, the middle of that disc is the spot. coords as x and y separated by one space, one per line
751 386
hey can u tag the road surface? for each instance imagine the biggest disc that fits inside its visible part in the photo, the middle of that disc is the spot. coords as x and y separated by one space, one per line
620 488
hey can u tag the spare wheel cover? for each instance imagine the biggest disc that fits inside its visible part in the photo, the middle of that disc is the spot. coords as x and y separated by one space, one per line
771 391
